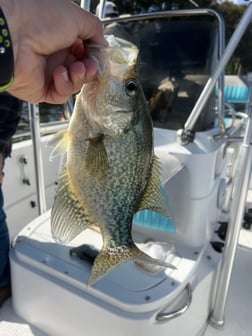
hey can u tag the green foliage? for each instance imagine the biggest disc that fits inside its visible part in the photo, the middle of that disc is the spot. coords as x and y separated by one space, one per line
241 61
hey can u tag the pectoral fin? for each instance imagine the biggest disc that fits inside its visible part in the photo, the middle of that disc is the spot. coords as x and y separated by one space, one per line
154 197
68 217
97 159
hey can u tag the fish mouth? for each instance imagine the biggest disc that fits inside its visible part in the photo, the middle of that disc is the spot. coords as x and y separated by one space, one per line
118 52
96 46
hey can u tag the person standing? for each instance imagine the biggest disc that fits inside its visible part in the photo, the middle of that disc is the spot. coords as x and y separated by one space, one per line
10 112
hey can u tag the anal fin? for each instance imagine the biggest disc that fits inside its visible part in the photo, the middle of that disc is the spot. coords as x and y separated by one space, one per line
112 257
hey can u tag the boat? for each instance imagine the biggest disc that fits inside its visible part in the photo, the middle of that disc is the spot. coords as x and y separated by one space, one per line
202 137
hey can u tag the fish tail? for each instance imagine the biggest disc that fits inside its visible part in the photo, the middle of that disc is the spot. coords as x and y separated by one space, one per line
112 257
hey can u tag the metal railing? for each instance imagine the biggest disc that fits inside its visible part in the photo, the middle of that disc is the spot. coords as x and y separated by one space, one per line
210 85
242 175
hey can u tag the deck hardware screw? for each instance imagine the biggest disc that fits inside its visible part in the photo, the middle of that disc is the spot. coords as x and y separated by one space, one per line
26 181
23 159
147 298
209 257
196 253
173 283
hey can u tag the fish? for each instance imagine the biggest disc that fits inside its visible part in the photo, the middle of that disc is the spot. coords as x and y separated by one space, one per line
110 170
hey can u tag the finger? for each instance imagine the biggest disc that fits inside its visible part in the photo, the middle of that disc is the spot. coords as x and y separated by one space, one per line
90 27
61 86
82 72
67 81
77 49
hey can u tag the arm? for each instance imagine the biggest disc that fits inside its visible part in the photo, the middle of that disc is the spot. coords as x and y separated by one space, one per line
10 111
49 37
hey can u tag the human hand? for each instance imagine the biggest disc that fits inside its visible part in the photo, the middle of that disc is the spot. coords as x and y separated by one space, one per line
49 40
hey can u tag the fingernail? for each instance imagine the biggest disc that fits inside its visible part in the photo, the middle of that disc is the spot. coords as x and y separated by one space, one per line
65 76
82 73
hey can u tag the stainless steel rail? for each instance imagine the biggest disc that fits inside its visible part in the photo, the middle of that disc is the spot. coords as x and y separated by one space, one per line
45 129
228 52
242 176
85 4
167 316
101 12
164 14
38 160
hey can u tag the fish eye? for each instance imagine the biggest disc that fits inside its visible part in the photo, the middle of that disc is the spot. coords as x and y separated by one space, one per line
131 87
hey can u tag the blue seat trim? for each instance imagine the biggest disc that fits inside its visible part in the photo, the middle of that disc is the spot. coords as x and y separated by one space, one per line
236 94
153 220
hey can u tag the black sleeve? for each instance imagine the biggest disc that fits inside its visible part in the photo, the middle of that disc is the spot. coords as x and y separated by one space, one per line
10 112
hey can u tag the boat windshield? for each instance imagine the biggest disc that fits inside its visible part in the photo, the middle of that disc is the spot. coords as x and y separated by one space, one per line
177 56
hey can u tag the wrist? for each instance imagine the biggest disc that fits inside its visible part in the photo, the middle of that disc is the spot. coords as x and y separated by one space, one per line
6 43
9 9
6 54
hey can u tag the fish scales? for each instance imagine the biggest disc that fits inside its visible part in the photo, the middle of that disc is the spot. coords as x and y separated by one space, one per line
110 171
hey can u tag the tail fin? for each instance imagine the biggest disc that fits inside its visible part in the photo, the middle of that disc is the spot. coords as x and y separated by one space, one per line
112 257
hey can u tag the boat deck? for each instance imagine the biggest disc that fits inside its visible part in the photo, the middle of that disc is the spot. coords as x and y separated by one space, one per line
238 313
239 304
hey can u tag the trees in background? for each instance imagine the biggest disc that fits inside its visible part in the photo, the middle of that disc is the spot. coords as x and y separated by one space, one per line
241 62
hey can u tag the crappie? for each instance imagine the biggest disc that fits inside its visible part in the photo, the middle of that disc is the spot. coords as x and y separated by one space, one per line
111 171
